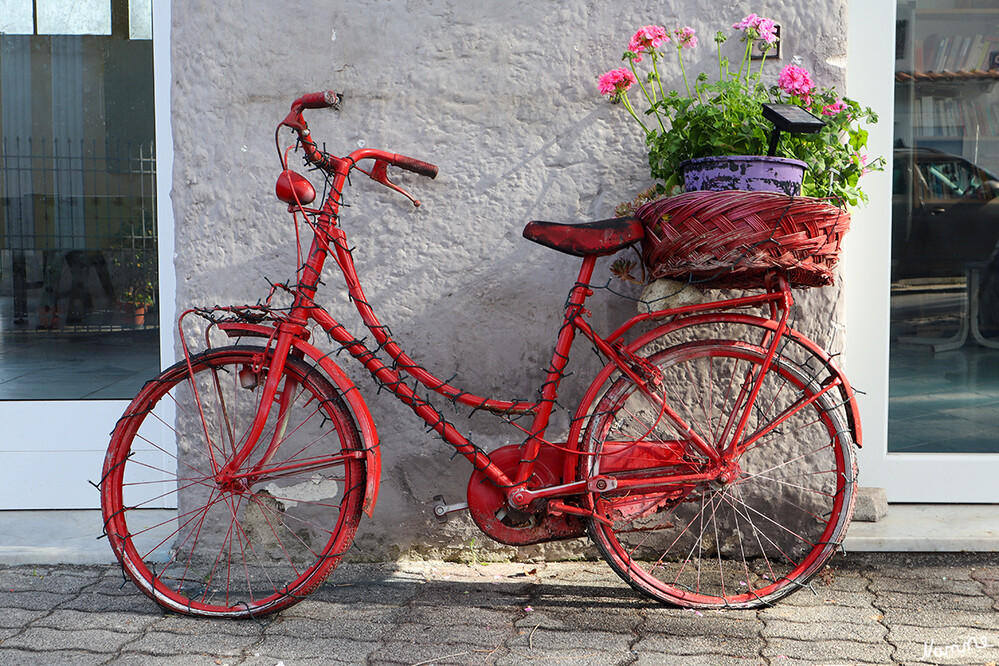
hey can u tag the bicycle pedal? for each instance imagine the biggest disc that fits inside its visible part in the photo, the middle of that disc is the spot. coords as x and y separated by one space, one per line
442 509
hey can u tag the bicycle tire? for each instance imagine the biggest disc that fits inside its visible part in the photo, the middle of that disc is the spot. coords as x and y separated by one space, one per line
247 547
742 543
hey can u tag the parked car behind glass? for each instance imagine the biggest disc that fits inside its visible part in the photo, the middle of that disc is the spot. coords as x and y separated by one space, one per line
945 214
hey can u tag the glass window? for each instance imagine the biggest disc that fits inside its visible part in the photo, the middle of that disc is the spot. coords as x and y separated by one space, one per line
78 235
16 17
73 17
944 365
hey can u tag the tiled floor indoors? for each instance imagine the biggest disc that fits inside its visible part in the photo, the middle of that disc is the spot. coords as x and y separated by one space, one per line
943 402
939 401
62 365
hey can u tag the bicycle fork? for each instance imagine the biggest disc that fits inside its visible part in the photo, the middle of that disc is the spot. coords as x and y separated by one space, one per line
272 392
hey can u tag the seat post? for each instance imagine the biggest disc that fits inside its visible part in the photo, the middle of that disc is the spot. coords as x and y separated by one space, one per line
560 358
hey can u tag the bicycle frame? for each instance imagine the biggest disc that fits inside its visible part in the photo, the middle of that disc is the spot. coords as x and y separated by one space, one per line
289 334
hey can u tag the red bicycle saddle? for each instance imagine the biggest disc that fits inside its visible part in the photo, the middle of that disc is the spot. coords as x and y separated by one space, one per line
600 238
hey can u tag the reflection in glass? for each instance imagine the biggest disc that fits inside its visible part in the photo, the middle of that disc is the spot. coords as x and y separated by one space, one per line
140 19
78 272
16 17
944 364
74 17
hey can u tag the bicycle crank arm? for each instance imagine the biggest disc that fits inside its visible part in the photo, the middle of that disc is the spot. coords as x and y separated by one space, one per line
441 510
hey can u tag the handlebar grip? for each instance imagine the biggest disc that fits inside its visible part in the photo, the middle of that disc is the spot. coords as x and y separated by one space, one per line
319 100
416 166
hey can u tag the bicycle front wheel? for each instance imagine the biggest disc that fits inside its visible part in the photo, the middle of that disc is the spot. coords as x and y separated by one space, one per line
201 536
737 541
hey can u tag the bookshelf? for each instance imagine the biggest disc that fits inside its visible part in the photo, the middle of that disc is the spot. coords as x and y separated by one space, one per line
947 80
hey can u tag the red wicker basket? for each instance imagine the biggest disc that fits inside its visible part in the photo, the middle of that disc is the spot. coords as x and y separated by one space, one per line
732 238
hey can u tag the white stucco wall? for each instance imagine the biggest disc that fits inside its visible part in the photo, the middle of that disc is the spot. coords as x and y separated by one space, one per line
502 96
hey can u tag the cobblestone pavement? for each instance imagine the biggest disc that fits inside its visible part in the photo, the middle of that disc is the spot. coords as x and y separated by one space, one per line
865 609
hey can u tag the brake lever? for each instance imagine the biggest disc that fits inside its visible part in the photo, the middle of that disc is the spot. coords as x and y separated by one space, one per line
379 173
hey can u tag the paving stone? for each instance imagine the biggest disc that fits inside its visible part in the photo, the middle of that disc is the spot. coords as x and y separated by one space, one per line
737 624
825 596
128 623
820 652
51 658
379 594
563 656
470 596
872 632
546 639
444 615
825 613
444 634
346 627
920 602
138 659
186 625
694 645
32 600
839 581
325 611
933 585
946 635
899 617
18 617
581 620
788 661
90 640
167 643
294 649
101 601
402 653
658 659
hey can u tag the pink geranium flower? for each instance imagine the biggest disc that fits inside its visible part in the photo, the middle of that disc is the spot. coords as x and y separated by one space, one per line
796 81
685 38
750 21
647 39
616 81
767 30
834 108
758 27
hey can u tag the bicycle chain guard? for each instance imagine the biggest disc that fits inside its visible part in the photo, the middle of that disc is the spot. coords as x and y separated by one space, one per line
490 511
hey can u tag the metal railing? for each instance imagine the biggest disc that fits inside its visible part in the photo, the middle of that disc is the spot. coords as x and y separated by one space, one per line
78 249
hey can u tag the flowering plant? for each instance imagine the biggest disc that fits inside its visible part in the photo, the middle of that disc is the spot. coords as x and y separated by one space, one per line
725 117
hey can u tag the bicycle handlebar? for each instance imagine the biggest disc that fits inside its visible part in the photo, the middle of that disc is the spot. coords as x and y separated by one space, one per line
416 166
319 100
330 99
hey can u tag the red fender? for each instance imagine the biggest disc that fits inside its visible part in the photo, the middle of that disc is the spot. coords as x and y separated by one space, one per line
580 418
348 391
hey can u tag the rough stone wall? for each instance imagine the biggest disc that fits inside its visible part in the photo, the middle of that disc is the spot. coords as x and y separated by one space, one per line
502 96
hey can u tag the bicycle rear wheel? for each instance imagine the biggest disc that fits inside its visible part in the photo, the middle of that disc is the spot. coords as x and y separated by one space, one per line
258 540
741 542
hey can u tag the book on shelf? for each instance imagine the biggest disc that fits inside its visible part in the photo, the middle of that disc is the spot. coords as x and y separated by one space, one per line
949 117
955 53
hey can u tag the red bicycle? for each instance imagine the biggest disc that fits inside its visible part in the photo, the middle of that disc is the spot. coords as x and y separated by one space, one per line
711 460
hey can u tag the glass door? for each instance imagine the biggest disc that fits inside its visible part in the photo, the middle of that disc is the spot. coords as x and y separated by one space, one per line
79 239
944 362
917 258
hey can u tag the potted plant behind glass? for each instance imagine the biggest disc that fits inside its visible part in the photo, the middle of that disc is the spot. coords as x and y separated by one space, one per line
733 238
134 270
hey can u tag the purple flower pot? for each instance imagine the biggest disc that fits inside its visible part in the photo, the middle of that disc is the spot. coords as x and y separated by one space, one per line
756 173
